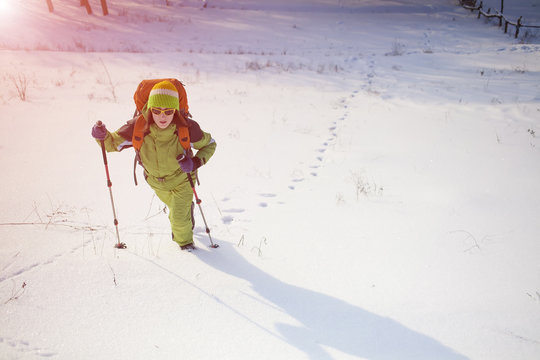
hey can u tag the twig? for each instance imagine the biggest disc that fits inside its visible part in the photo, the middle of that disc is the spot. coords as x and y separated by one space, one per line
148 216
21 84
53 214
110 81
65 224
114 275
217 206
471 236
16 294
150 207
241 241
34 211
259 249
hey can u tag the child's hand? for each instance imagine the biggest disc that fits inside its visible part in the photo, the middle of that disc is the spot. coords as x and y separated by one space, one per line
188 164
185 162
99 131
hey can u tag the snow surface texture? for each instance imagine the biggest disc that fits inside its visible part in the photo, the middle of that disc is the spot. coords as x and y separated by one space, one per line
374 191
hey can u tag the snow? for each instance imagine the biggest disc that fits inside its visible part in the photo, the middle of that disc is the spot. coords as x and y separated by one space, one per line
374 191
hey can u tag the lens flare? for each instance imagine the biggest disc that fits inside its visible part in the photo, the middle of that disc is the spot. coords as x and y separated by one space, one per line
4 5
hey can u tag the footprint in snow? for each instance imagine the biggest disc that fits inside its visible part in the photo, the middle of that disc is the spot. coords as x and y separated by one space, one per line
23 346
234 211
227 219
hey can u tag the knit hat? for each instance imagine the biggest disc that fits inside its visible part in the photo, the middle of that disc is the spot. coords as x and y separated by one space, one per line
164 95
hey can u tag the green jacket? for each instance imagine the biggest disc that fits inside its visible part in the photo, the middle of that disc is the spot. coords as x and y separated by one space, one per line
160 149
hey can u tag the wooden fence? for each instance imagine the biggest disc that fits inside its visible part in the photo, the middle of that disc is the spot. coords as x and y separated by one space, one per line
471 5
86 4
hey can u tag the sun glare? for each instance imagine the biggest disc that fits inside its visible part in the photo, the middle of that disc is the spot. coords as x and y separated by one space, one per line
4 5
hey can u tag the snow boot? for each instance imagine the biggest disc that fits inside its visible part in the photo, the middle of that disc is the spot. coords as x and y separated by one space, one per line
188 247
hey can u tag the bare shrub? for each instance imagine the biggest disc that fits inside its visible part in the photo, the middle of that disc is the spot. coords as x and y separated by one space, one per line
364 187
21 84
398 49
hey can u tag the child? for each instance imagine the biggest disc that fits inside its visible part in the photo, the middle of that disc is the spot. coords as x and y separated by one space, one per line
166 163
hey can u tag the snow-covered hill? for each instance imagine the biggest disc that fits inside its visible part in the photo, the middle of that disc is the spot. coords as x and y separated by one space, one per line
374 191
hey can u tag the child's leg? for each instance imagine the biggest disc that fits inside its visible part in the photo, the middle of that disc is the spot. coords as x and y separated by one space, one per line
179 202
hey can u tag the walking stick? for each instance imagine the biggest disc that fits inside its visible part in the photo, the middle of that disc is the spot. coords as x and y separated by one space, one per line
119 245
199 201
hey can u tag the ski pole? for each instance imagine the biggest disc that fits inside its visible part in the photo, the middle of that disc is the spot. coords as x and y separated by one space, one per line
199 201
119 245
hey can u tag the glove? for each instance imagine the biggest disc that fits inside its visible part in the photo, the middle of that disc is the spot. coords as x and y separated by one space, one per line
99 131
188 164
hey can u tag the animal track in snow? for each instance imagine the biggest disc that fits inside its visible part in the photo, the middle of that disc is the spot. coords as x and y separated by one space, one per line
23 347
323 149
21 271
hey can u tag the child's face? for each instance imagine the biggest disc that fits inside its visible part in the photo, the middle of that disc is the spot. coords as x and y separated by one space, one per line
161 118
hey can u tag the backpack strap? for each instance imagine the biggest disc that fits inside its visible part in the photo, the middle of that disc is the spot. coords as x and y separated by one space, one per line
183 137
136 160
138 132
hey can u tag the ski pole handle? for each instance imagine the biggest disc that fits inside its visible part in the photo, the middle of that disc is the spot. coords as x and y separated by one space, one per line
104 153
99 123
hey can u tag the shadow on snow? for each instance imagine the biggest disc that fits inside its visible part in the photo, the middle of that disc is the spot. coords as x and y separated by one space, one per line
329 321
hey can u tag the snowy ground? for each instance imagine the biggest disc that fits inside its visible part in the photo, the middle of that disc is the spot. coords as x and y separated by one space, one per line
374 191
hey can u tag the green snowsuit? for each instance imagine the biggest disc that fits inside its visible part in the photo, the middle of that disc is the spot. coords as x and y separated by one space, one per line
162 172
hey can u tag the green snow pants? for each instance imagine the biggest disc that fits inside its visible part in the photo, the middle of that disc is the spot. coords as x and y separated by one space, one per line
179 200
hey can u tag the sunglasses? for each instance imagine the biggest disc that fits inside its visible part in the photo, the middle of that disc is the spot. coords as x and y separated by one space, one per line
157 111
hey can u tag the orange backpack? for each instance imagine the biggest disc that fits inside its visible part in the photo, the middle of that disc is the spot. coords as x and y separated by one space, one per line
141 98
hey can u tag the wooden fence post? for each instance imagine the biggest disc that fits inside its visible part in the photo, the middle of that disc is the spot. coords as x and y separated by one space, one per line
49 4
480 9
87 5
518 25
104 7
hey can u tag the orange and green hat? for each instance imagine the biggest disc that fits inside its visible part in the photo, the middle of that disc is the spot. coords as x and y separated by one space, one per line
164 95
